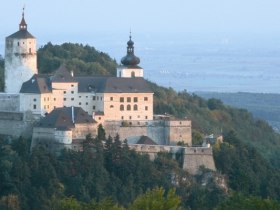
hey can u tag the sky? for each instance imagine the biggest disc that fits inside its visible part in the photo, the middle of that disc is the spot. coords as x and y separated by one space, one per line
58 20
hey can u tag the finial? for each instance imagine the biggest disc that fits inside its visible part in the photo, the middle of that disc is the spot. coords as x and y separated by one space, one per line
23 8
130 33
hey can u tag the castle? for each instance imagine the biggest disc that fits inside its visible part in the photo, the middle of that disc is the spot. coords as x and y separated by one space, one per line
63 108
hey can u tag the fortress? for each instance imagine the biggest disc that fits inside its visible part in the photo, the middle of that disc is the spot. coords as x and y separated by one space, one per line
62 109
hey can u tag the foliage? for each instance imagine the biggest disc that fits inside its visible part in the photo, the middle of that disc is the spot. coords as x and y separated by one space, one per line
82 59
157 200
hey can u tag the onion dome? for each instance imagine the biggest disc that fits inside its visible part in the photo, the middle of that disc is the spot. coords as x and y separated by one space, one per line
130 59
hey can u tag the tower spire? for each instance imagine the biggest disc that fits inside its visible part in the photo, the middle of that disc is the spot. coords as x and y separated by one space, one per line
23 25
130 59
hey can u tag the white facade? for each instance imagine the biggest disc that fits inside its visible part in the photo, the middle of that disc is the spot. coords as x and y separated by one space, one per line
123 71
20 60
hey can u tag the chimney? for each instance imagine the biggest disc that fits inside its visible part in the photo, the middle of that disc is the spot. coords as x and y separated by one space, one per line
73 116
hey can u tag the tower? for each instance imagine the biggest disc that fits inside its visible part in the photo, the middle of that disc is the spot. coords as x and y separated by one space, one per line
20 58
129 67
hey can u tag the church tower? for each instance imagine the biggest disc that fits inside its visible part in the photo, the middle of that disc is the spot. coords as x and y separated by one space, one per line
20 58
129 67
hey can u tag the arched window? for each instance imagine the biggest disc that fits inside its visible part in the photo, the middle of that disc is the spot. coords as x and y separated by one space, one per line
133 74
121 107
128 107
135 107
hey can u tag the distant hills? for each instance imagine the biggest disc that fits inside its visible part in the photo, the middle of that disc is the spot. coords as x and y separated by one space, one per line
265 106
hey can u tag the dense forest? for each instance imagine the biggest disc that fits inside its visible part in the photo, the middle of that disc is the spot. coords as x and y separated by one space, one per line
113 177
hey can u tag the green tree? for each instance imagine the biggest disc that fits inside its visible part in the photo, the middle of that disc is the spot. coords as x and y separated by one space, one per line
156 199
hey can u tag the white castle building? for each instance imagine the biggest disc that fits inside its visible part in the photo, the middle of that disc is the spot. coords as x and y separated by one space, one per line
122 104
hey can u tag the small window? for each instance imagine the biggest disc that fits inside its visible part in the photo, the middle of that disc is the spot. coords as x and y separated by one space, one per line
34 99
64 99
135 99
100 98
97 98
121 99
80 96
128 99
93 107
111 106
18 44
145 98
34 106
133 74
122 117
86 103
130 117
72 99
29 50
72 92
64 92
80 103
111 98
54 107
135 107
128 107
146 108
121 107
146 117
99 118
54 99
86 96
72 85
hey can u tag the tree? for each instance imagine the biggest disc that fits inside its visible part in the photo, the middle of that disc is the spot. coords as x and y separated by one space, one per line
156 199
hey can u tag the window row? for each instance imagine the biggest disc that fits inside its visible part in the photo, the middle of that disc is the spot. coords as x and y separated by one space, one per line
129 107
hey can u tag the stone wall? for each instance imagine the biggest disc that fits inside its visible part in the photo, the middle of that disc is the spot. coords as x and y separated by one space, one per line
9 102
192 157
16 124
160 131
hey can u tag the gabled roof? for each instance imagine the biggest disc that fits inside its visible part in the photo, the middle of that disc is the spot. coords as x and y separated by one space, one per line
37 84
21 34
113 85
146 140
65 118
62 75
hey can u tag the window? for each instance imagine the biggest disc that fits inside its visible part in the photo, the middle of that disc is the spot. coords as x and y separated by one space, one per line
72 85
93 107
99 118
34 106
128 107
54 107
93 98
135 107
54 99
128 99
64 99
146 108
18 44
44 99
34 99
130 117
80 103
72 92
122 117
135 99
86 103
64 92
44 106
133 74
121 99
29 50
72 99
100 98
121 107
97 98
111 106
145 98
146 117
111 98
120 74
86 96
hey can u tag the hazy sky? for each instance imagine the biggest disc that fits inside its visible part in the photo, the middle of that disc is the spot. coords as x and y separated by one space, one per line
53 19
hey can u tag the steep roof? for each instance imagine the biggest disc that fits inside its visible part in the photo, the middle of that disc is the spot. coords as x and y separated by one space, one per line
62 75
62 118
37 84
146 140
21 34
113 85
